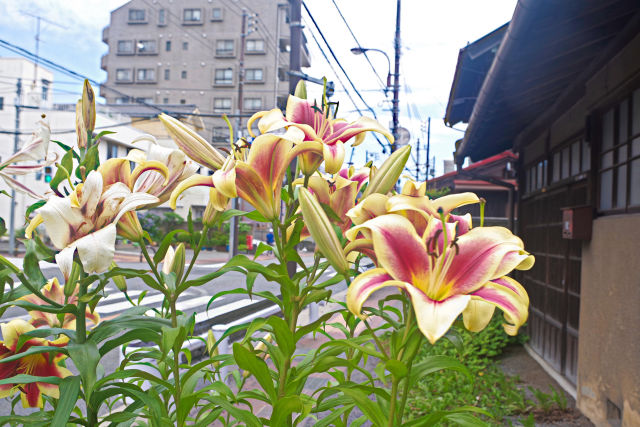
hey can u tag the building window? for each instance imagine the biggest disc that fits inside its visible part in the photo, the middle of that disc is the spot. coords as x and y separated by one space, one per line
182 101
167 46
224 48
282 74
125 47
165 100
112 150
146 47
122 100
167 74
192 15
220 134
222 105
45 90
255 46
185 45
619 159
124 75
224 76
252 104
216 14
183 74
146 75
536 176
254 75
1 103
162 17
571 161
144 100
137 16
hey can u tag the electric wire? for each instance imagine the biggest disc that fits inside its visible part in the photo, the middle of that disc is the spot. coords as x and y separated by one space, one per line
383 84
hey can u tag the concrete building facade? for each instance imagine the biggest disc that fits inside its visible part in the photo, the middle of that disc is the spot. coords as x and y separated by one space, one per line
188 52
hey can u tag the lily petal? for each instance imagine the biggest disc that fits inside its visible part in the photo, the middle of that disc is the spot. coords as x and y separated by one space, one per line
400 251
96 250
506 294
333 156
193 181
436 317
364 285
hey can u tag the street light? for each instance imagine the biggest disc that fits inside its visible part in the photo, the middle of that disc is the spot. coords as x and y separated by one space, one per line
361 50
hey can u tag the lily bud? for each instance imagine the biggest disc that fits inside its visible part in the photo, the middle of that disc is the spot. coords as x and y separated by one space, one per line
129 227
217 204
88 107
177 266
386 177
192 144
173 261
322 231
119 281
301 90
81 129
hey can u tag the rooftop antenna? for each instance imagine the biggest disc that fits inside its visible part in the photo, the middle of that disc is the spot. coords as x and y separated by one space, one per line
38 19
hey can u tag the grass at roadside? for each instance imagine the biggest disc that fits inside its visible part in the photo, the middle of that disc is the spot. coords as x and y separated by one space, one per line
492 389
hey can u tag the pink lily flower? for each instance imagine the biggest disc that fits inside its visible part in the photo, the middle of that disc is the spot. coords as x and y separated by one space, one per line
445 274
314 121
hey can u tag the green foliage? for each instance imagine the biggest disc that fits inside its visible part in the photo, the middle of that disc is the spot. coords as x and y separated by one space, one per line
492 389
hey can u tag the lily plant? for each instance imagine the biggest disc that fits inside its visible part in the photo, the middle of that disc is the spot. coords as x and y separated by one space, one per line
442 272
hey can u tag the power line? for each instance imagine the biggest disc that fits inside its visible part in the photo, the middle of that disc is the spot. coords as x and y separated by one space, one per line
342 84
384 86
343 71
337 60
31 56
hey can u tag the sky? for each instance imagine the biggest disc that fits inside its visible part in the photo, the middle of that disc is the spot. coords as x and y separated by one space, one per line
432 32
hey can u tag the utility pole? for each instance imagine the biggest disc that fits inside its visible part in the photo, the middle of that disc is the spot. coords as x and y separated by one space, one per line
418 160
396 81
428 145
233 226
38 19
16 143
295 26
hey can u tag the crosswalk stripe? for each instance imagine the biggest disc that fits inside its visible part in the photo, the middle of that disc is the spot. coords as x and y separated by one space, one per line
217 311
121 306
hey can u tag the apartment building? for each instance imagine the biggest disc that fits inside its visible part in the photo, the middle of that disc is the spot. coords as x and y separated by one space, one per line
188 53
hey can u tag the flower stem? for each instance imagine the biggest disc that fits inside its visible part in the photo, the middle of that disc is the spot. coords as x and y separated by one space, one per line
392 404
375 337
196 252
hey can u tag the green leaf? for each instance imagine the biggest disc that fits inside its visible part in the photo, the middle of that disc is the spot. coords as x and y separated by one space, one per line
142 334
285 407
98 137
368 407
164 245
33 207
367 348
248 361
69 391
283 335
28 379
85 357
43 333
36 349
435 363
397 368
256 216
65 168
228 214
91 161
67 148
31 265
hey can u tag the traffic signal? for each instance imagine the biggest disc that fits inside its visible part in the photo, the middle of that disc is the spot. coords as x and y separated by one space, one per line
48 171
